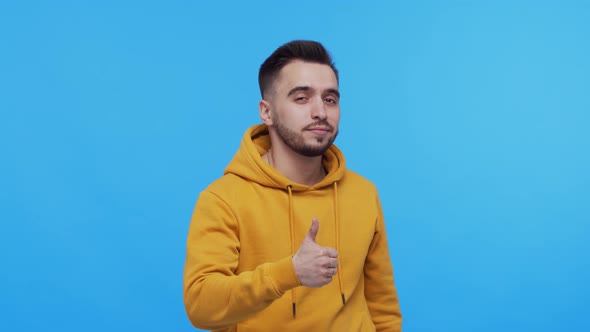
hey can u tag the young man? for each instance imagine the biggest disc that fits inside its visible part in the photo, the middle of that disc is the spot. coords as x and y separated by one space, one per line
289 239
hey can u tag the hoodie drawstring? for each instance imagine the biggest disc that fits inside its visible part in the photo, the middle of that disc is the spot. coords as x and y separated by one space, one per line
337 241
293 295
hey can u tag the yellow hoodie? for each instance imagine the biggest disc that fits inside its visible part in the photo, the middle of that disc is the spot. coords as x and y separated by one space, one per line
247 225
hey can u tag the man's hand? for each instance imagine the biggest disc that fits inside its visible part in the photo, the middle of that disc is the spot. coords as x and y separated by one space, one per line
314 265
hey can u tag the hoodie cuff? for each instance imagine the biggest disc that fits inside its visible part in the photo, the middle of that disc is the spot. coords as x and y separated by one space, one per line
282 275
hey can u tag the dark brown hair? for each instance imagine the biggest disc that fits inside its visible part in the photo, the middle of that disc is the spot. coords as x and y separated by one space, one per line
305 50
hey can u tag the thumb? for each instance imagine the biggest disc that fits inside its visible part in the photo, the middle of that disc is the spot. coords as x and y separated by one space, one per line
313 229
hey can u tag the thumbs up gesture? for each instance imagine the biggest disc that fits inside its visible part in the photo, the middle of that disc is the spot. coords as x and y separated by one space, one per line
314 265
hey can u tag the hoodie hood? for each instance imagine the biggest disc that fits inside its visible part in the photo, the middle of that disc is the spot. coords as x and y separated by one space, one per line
248 164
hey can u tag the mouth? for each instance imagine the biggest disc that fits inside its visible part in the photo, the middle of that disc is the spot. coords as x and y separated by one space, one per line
320 130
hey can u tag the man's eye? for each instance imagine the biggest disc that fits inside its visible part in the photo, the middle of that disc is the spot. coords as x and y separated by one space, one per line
330 100
300 99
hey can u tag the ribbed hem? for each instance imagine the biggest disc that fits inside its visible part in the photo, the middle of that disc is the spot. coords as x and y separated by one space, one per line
282 275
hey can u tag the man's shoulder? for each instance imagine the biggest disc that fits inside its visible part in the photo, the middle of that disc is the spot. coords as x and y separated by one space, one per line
354 179
226 184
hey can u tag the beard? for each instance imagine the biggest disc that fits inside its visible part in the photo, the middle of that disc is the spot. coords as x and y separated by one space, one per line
296 141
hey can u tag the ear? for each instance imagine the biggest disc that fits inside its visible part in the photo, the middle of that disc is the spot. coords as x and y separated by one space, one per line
264 111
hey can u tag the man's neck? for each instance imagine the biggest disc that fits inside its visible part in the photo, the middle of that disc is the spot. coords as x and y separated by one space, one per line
297 168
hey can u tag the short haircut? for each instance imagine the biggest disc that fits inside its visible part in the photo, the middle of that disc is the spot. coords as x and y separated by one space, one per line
304 50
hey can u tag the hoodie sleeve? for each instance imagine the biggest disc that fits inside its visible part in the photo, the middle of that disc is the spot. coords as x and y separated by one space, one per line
380 290
214 296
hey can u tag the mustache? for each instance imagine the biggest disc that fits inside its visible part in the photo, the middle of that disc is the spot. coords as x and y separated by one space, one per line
321 123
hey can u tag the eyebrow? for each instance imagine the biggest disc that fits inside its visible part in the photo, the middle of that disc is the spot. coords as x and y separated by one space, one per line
298 89
334 92
307 88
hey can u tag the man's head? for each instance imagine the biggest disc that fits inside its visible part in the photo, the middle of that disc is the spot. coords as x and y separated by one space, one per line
301 102
304 50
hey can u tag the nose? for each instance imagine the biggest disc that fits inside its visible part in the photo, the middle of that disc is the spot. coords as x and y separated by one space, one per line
318 111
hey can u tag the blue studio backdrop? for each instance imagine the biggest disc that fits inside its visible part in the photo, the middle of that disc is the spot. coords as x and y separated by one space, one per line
471 117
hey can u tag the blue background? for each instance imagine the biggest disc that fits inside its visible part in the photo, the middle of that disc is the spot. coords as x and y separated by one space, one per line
472 118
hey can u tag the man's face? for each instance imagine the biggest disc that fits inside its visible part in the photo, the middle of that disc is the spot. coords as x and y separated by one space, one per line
305 107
